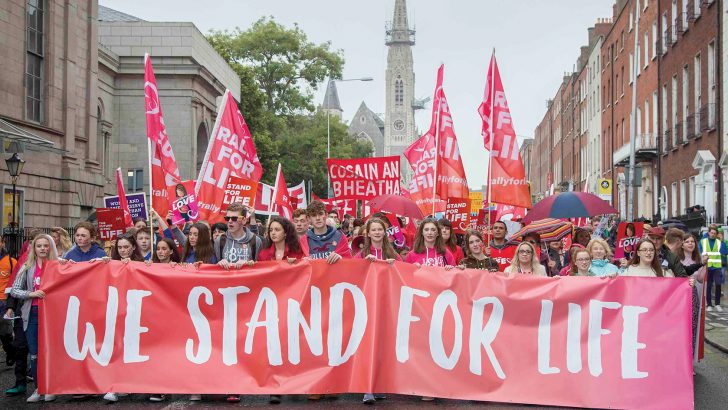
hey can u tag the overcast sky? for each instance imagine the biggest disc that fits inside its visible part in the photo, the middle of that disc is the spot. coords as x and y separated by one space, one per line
536 41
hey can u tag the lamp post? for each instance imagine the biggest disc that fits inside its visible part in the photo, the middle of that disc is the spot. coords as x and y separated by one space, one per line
328 126
15 167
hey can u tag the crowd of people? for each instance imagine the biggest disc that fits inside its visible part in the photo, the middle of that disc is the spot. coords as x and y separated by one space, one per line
315 233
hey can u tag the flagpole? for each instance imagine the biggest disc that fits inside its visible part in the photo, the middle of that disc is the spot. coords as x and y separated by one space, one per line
437 150
151 196
490 134
273 198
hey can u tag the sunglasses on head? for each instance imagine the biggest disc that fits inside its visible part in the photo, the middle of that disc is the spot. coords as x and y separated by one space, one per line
231 218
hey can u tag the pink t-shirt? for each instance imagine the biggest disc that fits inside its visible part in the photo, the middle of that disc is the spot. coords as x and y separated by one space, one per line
431 258
36 282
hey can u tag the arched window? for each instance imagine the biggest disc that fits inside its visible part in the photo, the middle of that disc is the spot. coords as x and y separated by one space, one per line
103 142
202 140
398 91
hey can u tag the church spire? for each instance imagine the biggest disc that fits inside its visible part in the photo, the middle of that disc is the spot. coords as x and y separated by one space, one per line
331 100
398 30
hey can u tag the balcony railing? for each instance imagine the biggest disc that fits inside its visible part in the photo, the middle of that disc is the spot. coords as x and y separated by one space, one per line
667 141
693 10
681 23
690 129
677 136
645 148
707 117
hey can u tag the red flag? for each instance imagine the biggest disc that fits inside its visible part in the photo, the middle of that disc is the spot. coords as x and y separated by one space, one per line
440 139
507 179
281 200
230 152
410 231
123 204
164 166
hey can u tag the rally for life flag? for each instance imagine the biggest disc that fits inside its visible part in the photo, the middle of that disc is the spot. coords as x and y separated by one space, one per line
507 180
123 204
281 199
165 173
230 152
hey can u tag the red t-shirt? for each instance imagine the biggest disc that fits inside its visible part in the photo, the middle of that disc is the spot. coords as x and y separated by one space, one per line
269 254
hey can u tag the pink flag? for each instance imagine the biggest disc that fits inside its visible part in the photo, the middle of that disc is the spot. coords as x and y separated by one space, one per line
123 204
507 180
230 152
164 170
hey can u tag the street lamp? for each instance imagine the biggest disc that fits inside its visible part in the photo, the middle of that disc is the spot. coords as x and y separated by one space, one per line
328 126
15 167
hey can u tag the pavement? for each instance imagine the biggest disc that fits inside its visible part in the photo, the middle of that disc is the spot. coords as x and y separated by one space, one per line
716 329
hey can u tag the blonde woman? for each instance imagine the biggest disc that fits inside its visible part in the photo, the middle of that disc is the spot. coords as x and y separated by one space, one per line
525 262
26 289
601 254
62 240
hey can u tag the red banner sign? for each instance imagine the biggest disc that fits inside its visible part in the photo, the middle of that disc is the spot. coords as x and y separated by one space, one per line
628 234
110 223
458 213
358 326
241 190
363 178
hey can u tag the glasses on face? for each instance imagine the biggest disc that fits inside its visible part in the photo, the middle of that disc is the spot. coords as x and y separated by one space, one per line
231 218
525 252
583 259
647 250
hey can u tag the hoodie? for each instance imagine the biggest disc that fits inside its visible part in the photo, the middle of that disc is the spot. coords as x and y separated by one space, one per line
378 253
77 255
430 257
321 246
602 267
239 249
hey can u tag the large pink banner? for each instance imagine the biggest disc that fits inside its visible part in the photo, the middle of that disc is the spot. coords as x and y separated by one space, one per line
360 326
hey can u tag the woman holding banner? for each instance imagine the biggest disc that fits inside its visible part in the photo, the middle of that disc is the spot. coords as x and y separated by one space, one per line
476 258
86 248
26 289
644 263
376 244
525 262
166 252
450 239
429 249
198 248
601 254
582 261
281 243
694 264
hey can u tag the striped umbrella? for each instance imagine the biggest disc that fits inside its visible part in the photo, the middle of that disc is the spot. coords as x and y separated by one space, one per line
549 229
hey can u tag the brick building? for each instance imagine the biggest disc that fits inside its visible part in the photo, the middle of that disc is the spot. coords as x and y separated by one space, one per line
690 128
723 162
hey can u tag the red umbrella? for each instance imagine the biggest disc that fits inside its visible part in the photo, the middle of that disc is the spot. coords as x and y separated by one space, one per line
569 205
396 204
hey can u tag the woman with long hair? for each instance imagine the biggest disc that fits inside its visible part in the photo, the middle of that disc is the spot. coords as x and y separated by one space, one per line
281 242
125 249
525 262
694 264
376 245
450 239
167 252
26 289
62 240
429 249
601 254
476 258
571 267
644 263
582 261
198 248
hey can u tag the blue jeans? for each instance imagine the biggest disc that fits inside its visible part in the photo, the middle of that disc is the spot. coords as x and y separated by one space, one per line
714 280
31 334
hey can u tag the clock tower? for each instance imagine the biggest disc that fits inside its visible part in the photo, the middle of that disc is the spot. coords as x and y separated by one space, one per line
399 118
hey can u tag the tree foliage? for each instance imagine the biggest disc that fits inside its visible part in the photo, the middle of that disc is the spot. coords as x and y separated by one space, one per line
278 69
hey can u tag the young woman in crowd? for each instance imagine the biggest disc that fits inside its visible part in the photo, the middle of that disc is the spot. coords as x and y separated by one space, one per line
26 289
450 239
62 240
376 245
86 247
198 248
140 223
644 263
476 258
525 262
582 261
125 249
691 259
144 241
281 242
218 230
601 255
429 249
166 252
566 270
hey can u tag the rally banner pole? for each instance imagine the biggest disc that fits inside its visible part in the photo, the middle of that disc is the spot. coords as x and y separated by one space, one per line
273 197
437 152
490 140
151 197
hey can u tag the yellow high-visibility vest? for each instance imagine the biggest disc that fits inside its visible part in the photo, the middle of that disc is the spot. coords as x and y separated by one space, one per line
714 260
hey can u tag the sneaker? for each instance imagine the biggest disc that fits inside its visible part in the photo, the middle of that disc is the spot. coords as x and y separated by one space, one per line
369 399
49 397
709 308
718 308
195 397
157 397
16 390
34 398
233 398
112 397
274 399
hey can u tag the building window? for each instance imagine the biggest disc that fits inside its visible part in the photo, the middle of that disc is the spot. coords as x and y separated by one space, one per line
674 95
696 8
673 200
654 113
631 69
647 49
675 21
691 191
655 40
34 60
683 196
698 93
711 85
647 116
665 115
665 33
398 91
685 101
135 180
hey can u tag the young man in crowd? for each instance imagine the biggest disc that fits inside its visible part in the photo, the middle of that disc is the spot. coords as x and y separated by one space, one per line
300 222
498 248
86 248
323 241
668 260
717 253
239 245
